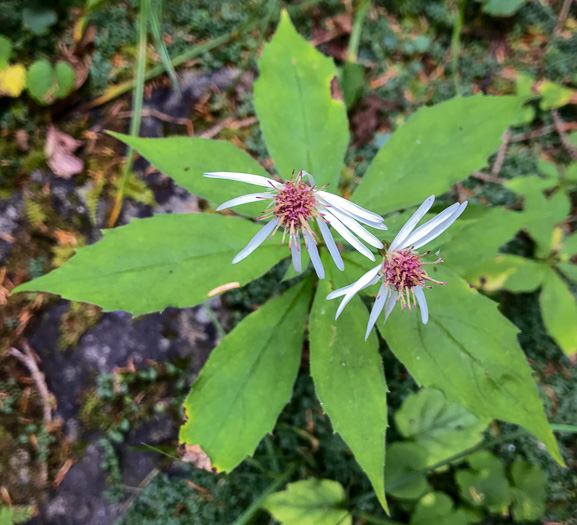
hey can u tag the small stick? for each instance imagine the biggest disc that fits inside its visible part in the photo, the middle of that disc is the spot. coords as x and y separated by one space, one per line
560 127
227 123
562 17
501 155
485 177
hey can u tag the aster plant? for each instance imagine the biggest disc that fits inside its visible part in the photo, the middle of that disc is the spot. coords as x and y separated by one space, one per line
467 350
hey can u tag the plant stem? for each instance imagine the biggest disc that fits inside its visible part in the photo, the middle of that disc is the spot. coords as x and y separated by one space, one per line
456 45
137 108
356 31
214 319
373 519
248 514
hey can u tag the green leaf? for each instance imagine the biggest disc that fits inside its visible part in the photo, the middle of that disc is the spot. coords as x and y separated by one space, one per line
5 51
15 514
529 491
486 484
435 148
509 272
477 236
571 172
554 95
569 270
349 381
65 78
185 159
502 8
247 380
569 247
39 19
405 459
441 429
437 508
469 351
40 81
310 502
353 82
304 127
166 260
559 312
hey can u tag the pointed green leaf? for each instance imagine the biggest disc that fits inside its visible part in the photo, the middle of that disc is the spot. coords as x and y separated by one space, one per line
247 380
185 159
167 260
441 429
569 270
559 312
435 148
310 502
304 127
469 351
349 381
569 247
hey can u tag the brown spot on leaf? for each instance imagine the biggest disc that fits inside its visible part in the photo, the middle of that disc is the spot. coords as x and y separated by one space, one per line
336 91
194 455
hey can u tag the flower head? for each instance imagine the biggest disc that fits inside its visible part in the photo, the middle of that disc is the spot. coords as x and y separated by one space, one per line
296 205
402 272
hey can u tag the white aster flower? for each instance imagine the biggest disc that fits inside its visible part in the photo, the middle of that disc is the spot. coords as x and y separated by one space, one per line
293 204
402 273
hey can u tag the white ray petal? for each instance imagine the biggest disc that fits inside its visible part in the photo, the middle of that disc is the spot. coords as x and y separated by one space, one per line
310 177
256 241
390 304
314 254
359 285
356 228
244 177
350 207
331 245
295 248
422 230
244 199
419 294
347 235
439 229
342 291
377 308
411 223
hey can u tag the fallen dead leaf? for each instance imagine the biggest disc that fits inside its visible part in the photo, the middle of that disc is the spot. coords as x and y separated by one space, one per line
59 151
194 455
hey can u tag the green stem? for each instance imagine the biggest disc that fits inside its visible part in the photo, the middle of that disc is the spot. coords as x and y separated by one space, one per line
136 108
564 428
373 519
155 14
456 45
214 319
356 31
249 513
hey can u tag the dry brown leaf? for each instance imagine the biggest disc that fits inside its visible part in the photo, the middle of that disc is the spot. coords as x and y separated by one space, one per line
193 454
59 151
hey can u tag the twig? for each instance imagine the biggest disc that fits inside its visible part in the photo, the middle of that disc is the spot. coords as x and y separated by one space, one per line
560 127
545 130
485 177
156 114
28 359
562 17
142 485
501 155
227 123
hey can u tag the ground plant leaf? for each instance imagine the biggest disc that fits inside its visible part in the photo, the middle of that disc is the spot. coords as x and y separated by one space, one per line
509 272
469 351
405 459
559 311
304 127
440 428
247 380
185 159
5 51
349 381
310 502
166 260
437 508
12 80
435 148
528 492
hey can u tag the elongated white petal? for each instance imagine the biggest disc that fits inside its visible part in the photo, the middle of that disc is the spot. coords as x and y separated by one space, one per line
422 230
256 241
379 225
411 223
342 291
331 245
310 177
314 253
356 228
377 308
347 235
296 253
350 207
359 285
244 199
439 229
257 180
390 304
419 294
